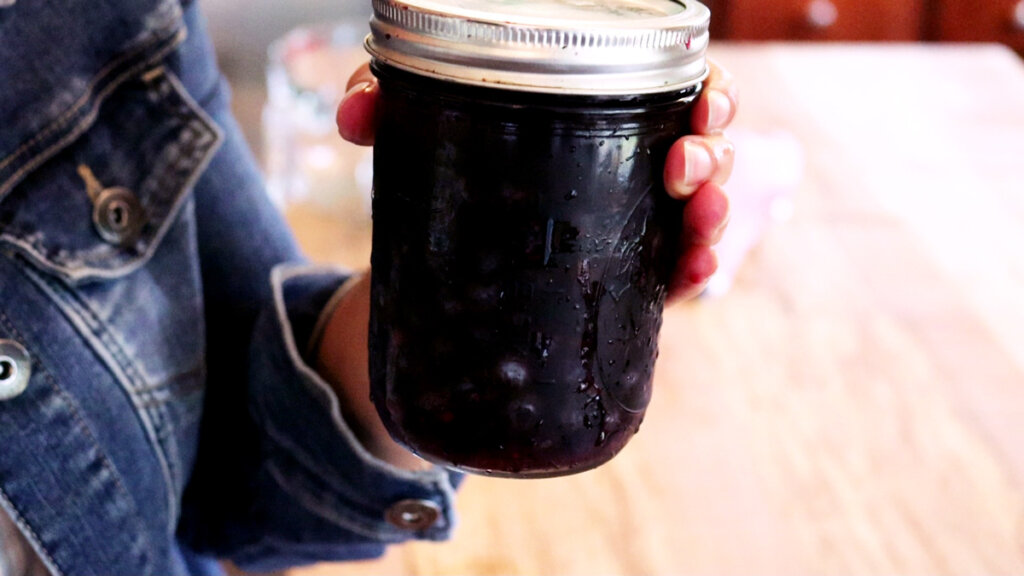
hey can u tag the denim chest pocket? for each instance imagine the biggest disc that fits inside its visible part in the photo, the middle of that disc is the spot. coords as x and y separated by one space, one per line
105 227
100 206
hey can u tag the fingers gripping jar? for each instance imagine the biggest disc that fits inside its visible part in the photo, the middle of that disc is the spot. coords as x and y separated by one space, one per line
522 235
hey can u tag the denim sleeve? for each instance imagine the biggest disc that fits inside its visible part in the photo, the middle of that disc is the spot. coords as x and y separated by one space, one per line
279 479
322 495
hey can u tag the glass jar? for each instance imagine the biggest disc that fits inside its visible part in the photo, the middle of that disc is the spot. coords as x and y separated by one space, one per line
522 236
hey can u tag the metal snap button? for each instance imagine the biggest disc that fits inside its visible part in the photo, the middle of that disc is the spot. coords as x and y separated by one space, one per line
413 514
116 213
118 216
15 369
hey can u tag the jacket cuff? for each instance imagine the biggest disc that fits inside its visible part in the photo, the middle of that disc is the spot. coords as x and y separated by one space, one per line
310 451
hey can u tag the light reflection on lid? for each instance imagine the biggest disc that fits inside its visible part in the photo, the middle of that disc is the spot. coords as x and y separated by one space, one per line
569 10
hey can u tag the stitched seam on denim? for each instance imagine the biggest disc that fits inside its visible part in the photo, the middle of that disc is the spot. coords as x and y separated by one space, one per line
270 547
370 526
323 504
95 96
86 120
203 155
197 137
101 346
82 100
29 534
173 161
82 425
337 514
207 138
158 416
434 479
437 479
295 452
180 384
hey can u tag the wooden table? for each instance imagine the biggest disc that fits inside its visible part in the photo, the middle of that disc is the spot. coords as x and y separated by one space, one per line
855 403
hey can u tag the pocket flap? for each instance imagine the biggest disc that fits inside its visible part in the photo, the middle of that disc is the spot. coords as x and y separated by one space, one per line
99 206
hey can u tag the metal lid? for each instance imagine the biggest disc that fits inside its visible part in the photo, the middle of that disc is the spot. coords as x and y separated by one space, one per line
560 46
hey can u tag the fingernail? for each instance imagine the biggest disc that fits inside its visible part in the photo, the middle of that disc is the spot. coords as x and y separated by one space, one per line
719 110
349 117
716 234
699 165
355 88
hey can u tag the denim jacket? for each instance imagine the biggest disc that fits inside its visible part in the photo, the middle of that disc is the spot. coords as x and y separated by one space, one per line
155 409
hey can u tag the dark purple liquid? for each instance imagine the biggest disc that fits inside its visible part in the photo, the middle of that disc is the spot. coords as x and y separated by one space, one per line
521 248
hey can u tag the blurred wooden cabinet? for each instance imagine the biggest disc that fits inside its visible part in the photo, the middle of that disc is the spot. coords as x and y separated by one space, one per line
871 20
988 20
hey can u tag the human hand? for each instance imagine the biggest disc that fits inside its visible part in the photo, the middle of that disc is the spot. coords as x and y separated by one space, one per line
696 168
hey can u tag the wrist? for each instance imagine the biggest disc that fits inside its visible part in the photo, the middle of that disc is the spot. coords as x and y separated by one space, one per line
341 356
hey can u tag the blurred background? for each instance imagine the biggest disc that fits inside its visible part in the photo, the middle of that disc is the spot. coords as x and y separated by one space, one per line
244 31
287 64
848 396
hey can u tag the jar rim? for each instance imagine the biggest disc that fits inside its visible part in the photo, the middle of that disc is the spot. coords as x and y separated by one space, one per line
490 45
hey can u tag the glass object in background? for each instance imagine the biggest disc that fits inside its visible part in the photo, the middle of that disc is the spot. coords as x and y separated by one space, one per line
319 181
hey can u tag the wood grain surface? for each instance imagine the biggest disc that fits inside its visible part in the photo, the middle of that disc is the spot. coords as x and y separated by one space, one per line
855 403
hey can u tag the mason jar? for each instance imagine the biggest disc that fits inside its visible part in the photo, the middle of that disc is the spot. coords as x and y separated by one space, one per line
522 235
